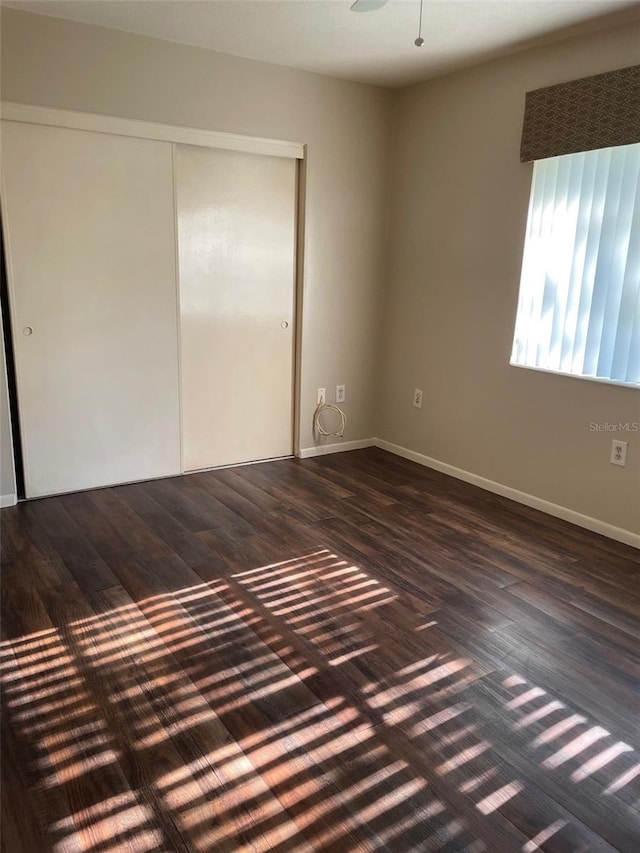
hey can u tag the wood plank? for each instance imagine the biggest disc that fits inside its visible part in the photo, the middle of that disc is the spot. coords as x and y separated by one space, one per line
88 570
349 652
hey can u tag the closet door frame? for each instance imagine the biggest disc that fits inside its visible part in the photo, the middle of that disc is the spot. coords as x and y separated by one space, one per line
31 114
150 130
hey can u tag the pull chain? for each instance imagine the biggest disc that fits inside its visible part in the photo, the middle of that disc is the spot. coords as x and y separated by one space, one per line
419 41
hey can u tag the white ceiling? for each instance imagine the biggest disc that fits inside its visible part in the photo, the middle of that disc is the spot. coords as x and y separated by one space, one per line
327 37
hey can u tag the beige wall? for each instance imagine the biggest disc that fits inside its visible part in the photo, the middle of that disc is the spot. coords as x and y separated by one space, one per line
56 63
457 223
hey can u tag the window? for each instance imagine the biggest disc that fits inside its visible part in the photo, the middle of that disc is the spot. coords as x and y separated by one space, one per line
579 304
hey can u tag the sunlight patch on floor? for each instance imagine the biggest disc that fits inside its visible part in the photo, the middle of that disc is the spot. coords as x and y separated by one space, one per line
208 672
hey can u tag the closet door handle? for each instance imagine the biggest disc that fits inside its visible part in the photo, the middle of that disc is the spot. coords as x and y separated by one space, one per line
28 330
284 324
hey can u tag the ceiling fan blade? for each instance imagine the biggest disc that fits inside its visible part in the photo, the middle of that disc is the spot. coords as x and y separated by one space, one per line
367 5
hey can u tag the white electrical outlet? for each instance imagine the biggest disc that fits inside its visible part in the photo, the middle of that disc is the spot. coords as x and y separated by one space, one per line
618 452
322 396
417 398
341 393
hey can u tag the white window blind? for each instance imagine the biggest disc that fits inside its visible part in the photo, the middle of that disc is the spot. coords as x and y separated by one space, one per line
579 305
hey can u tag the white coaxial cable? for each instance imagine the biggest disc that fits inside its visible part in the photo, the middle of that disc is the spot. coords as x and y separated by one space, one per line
318 426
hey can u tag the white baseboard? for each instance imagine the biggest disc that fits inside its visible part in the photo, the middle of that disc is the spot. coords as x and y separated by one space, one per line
8 500
563 512
338 447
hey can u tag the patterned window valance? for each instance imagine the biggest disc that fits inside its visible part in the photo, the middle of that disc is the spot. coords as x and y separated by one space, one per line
582 115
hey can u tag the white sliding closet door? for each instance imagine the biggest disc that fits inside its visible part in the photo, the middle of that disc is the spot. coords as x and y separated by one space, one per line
236 245
90 229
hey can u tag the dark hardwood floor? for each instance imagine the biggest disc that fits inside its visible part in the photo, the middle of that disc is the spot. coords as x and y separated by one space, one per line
349 653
